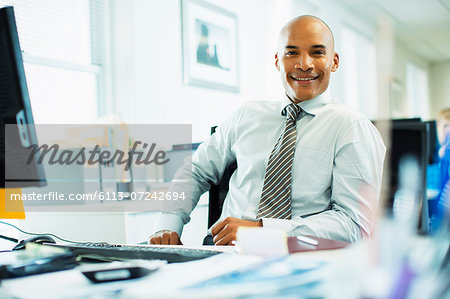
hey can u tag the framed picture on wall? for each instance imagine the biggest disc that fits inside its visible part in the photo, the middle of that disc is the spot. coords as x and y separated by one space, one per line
210 46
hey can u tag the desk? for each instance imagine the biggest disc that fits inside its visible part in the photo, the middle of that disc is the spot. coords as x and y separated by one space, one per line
187 280
344 273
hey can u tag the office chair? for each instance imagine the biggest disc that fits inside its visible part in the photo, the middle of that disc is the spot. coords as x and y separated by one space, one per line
217 194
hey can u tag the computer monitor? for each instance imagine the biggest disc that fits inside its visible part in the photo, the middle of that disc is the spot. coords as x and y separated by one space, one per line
17 132
433 142
410 138
407 120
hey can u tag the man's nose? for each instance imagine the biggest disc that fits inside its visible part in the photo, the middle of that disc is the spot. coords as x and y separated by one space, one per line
304 63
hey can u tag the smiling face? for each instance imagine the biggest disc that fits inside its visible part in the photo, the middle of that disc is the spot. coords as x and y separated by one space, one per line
305 58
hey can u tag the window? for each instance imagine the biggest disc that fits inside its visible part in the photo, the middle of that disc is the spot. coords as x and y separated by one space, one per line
62 45
417 90
358 64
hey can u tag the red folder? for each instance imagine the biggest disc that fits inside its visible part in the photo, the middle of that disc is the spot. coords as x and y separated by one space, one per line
295 245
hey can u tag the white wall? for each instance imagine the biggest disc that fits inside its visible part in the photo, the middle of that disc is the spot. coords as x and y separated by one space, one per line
402 56
440 87
147 59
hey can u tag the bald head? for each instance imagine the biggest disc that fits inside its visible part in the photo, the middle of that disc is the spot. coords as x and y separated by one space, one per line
305 58
306 23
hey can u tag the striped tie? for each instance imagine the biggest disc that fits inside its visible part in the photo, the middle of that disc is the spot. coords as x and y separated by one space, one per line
276 194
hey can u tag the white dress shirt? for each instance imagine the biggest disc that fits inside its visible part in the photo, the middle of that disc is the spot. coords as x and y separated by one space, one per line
336 173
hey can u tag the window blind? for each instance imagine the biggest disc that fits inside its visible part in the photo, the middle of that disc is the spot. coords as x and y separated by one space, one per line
57 29
62 44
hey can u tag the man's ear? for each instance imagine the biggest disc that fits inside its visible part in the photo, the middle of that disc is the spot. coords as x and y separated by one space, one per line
277 64
335 65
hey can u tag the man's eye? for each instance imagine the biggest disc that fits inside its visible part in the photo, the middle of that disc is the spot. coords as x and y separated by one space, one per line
290 53
318 52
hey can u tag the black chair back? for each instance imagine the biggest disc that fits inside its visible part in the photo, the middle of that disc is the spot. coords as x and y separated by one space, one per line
218 192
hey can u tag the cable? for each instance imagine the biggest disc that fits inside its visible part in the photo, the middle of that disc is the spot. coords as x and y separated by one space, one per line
36 234
9 239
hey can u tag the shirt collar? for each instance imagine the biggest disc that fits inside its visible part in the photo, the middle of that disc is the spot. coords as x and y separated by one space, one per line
310 106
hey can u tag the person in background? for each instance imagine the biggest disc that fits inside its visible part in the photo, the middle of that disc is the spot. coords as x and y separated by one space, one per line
443 131
441 203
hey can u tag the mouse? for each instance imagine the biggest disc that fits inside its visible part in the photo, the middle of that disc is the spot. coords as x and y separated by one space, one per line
41 239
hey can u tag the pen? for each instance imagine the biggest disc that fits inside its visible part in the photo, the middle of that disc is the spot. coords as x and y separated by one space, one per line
307 240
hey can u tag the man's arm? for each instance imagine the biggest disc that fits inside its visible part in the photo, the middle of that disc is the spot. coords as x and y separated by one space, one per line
196 176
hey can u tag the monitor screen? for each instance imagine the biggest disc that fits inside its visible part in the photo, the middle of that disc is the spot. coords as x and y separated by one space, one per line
433 142
17 132
409 139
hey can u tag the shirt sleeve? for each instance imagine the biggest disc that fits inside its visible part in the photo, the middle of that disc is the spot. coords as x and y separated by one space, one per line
198 172
355 188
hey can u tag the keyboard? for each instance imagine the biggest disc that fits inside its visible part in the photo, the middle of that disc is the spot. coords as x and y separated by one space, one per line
113 252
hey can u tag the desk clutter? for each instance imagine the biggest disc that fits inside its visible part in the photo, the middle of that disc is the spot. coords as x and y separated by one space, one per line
35 260
202 278
369 269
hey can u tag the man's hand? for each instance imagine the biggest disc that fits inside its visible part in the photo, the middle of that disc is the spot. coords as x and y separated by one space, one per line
224 232
165 237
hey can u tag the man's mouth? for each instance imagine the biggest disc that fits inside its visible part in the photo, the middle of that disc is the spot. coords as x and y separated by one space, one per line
304 79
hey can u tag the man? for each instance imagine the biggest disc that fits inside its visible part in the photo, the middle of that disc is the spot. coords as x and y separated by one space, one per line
330 180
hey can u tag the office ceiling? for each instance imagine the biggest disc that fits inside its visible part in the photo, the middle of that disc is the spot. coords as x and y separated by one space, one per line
422 25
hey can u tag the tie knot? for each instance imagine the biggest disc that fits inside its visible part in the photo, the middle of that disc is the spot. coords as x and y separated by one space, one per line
292 110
